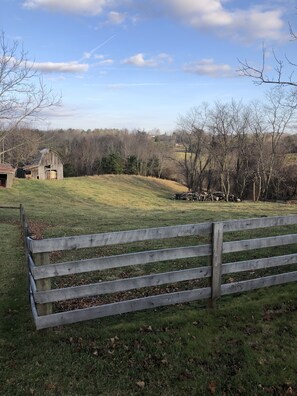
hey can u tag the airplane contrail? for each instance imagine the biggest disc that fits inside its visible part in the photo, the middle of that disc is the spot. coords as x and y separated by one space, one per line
97 47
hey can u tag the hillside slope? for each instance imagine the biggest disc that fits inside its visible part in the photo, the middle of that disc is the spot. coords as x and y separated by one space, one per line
117 202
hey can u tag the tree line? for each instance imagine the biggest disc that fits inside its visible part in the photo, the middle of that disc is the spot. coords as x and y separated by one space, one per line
249 150
99 151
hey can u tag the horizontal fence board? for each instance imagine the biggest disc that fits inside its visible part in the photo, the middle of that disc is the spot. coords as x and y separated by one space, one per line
259 243
80 315
120 285
115 238
261 222
252 284
123 260
252 265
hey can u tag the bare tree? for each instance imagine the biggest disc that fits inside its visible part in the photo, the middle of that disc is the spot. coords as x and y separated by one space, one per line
192 136
23 94
281 74
241 127
270 121
224 144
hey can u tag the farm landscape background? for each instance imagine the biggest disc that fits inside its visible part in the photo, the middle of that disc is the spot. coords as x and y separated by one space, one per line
96 88
234 349
249 151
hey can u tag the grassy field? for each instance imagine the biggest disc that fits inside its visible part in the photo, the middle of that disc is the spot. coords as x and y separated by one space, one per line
247 346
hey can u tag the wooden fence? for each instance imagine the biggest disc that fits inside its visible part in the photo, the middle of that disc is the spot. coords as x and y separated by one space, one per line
41 272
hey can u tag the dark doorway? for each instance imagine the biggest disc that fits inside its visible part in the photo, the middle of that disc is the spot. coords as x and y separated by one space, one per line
3 180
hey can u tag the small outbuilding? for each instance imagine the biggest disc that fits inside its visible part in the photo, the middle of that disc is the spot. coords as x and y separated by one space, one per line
6 175
47 166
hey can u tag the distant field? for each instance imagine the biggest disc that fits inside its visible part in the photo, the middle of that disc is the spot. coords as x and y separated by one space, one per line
111 202
247 346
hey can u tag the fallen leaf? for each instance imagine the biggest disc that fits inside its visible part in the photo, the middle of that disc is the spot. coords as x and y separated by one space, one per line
212 387
141 384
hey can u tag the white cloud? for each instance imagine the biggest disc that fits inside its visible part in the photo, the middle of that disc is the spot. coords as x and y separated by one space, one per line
60 67
140 61
264 21
207 67
244 24
116 18
105 62
93 7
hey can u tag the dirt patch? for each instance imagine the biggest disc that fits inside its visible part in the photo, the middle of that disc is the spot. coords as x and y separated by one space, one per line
37 229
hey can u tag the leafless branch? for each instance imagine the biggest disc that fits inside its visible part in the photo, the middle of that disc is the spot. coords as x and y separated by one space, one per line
23 93
260 75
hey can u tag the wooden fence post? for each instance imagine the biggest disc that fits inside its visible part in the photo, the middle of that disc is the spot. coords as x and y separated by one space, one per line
43 284
217 250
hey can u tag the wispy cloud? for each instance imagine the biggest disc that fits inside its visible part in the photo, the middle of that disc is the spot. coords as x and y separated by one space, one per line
140 61
208 67
105 62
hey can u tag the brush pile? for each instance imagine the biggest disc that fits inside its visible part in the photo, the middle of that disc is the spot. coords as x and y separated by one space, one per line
206 196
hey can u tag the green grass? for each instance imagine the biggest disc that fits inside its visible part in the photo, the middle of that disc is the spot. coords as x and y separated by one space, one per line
247 346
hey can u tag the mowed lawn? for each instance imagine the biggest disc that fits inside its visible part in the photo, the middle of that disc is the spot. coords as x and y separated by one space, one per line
246 346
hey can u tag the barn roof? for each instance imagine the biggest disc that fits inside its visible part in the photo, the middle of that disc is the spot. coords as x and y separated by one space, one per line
38 158
6 168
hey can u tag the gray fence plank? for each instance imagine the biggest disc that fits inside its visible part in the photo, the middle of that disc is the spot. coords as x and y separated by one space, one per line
104 239
123 260
259 243
251 284
261 222
80 315
252 265
115 238
120 285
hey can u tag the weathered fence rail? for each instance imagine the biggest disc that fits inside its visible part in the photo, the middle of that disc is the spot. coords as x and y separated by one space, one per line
41 272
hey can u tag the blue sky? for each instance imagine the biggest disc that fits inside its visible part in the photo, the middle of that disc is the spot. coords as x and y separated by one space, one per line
143 63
